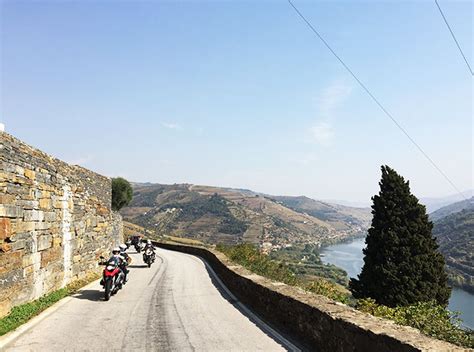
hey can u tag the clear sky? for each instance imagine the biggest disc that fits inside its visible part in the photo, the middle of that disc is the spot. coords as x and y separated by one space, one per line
241 93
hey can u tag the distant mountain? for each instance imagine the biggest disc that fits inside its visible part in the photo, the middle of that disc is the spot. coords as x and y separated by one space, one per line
226 215
452 208
433 204
455 236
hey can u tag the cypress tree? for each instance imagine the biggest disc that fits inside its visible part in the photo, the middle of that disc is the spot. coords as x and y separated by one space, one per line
402 264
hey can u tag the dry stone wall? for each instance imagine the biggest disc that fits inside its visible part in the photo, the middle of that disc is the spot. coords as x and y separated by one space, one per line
315 322
55 222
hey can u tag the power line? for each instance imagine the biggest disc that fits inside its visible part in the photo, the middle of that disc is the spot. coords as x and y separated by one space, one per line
375 99
454 37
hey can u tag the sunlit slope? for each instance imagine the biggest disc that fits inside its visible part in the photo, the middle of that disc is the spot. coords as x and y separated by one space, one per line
223 215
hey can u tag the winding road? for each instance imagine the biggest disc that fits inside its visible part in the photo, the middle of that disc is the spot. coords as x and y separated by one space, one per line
176 305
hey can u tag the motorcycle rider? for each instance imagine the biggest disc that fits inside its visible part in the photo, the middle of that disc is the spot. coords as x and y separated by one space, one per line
118 260
126 261
149 245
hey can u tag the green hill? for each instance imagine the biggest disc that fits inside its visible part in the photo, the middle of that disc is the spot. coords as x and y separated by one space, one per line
455 235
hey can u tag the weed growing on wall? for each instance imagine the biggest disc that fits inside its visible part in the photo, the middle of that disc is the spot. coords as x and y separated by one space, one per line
428 317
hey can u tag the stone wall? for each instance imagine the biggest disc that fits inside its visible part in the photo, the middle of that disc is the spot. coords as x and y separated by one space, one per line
55 221
315 322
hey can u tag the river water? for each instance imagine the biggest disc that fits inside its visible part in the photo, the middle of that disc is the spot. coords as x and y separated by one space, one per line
349 257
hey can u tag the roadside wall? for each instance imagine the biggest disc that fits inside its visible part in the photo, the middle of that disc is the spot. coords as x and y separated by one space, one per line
319 323
55 221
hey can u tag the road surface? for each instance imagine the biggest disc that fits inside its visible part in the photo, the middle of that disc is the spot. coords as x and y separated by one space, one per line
175 305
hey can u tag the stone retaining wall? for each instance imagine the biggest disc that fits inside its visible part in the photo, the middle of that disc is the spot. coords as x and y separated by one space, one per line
55 221
316 322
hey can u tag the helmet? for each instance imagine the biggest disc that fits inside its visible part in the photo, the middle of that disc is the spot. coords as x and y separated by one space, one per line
122 247
148 242
116 249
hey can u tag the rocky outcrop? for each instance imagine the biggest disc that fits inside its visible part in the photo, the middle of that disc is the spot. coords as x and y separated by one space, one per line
55 222
316 322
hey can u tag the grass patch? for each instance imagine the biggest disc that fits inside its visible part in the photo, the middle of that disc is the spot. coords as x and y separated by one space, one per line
24 312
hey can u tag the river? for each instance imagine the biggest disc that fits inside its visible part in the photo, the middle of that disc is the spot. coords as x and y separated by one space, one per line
348 256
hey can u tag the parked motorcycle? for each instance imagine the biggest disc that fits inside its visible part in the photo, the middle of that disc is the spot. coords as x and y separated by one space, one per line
149 257
112 278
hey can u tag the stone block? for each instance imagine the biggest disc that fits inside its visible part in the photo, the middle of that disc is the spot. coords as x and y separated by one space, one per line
50 255
5 307
10 211
7 198
57 241
30 174
19 170
44 242
102 211
18 190
49 216
25 226
42 225
9 261
5 228
46 194
17 245
45 203
28 204
30 259
33 215
28 270
5 247
21 236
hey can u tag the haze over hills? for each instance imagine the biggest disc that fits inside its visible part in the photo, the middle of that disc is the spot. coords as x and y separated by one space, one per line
452 208
225 215
432 204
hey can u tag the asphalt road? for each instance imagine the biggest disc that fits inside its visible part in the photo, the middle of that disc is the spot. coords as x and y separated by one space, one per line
176 305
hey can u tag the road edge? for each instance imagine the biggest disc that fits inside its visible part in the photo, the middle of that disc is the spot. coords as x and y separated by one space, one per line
266 328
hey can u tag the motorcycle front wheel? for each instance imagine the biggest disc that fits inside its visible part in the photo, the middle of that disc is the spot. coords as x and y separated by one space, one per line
108 289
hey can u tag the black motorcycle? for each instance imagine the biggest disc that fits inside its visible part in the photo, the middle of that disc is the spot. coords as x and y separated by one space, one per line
149 257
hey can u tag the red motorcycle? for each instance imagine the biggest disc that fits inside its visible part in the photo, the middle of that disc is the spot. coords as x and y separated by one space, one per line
112 278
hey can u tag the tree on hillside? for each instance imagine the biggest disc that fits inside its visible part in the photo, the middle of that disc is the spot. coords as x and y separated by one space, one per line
402 264
122 193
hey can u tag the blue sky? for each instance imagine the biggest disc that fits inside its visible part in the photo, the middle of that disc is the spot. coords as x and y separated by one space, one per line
241 93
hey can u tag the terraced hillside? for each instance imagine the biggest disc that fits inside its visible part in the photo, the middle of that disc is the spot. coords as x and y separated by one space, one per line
222 215
455 235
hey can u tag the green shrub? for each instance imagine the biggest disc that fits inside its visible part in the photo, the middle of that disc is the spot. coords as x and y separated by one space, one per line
248 256
428 317
122 193
326 288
